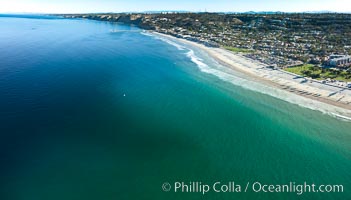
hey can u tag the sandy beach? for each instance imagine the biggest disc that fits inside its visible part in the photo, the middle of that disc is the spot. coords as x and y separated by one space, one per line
331 99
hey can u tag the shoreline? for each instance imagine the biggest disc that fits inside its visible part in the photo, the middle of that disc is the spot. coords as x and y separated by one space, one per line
336 100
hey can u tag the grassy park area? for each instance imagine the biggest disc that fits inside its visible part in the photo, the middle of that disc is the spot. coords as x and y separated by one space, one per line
238 50
320 73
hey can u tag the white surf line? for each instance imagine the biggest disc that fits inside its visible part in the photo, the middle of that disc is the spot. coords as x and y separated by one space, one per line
256 86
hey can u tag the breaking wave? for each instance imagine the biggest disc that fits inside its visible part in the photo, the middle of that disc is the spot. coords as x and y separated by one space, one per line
239 79
178 46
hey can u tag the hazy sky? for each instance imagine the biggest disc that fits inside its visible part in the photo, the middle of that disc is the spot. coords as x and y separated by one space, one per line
83 6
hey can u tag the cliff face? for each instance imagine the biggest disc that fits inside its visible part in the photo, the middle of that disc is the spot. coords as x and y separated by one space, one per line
130 19
135 19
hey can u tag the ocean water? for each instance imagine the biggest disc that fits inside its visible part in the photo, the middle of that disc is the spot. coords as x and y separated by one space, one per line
98 110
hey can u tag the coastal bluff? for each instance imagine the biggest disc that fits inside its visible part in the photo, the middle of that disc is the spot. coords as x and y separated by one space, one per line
135 19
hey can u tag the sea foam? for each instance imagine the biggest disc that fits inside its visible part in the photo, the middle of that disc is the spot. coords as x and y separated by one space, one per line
178 46
238 79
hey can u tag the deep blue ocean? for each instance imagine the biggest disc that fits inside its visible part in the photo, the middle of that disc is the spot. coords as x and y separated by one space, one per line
99 110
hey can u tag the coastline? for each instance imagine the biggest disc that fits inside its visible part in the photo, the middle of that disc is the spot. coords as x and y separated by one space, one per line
334 100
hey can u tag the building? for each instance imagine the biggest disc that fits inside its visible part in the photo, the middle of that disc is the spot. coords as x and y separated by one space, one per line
339 60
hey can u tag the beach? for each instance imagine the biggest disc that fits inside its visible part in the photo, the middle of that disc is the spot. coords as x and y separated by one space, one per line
328 98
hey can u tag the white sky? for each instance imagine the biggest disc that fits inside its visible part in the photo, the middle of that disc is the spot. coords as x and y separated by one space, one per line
84 6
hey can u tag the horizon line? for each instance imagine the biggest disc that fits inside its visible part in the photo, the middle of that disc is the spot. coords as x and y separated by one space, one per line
185 11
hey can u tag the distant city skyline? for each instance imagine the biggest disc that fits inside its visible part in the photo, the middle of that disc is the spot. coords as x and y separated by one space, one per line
93 6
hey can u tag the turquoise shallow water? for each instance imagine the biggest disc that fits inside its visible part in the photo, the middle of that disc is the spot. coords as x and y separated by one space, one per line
86 113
